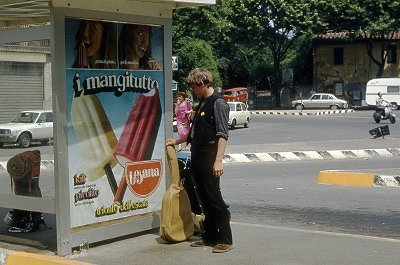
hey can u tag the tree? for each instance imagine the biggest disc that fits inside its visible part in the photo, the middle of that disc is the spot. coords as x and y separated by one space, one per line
195 53
299 58
250 38
213 25
275 24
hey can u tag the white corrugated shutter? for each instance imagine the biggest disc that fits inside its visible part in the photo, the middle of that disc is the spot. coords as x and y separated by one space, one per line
21 88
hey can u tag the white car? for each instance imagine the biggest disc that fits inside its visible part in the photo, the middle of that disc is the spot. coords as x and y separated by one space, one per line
320 101
238 115
28 126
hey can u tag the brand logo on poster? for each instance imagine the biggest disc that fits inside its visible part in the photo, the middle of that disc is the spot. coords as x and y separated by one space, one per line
143 177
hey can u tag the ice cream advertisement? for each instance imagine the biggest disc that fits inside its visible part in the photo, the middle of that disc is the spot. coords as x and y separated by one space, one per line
115 119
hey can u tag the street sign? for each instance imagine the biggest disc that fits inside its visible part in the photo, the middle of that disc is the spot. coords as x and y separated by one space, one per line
174 85
175 62
287 75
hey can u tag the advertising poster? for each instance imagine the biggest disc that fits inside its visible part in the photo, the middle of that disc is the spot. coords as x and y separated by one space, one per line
115 119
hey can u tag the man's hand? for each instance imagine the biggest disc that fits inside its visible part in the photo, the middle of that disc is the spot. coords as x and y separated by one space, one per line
170 141
218 169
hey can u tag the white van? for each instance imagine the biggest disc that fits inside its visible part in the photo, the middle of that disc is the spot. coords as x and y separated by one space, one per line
389 87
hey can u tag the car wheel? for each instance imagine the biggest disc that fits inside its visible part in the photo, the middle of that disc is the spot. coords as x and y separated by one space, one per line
334 107
1 144
392 119
299 106
24 140
247 123
233 124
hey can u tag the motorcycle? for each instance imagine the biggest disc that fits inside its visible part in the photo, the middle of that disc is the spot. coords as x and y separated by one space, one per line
384 113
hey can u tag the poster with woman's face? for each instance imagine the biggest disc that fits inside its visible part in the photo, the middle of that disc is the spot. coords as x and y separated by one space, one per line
115 119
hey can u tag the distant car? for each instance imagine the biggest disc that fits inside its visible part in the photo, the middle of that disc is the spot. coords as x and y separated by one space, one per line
238 115
320 101
236 94
28 126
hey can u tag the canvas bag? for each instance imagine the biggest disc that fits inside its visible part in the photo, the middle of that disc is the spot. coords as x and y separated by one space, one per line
176 217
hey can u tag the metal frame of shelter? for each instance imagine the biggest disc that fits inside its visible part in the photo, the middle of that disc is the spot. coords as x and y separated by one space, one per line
22 21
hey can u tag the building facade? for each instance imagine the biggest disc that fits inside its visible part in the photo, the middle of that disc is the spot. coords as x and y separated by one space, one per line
25 78
342 66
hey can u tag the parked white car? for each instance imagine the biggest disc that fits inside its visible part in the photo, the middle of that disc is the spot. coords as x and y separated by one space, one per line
320 101
238 115
28 126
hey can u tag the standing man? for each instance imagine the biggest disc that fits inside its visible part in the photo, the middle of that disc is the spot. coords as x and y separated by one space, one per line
208 138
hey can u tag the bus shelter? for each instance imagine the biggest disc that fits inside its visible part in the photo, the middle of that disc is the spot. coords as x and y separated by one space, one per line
111 89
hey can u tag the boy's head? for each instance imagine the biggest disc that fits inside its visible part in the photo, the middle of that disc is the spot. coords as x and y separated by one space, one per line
200 77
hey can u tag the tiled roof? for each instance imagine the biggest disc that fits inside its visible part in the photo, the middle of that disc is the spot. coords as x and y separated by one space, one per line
345 35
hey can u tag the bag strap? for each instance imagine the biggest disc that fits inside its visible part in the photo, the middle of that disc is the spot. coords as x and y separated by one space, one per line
173 165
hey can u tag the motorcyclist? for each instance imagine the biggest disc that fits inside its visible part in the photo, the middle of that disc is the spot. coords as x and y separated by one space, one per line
382 104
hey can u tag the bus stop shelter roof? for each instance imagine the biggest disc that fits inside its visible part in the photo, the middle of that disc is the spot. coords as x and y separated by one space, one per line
18 13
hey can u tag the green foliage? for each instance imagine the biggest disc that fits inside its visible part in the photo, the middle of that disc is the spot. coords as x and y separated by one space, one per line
195 53
248 42
374 16
299 58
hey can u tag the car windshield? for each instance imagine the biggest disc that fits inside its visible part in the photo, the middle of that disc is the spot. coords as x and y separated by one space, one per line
232 107
25 117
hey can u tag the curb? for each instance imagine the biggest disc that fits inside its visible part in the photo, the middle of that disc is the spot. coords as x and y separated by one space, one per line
305 113
281 156
310 155
8 257
359 179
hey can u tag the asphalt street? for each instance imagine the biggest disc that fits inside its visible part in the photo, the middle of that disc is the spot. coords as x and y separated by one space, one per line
254 242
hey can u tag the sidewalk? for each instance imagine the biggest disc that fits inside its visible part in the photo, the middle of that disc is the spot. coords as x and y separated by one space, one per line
254 244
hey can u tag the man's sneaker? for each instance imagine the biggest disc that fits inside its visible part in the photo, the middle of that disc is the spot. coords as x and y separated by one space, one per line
198 243
15 229
221 248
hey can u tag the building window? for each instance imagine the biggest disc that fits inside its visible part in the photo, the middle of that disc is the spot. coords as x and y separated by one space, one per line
338 88
337 56
391 54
